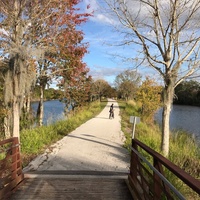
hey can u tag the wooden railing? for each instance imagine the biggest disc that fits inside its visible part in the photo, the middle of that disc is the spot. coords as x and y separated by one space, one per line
10 166
147 178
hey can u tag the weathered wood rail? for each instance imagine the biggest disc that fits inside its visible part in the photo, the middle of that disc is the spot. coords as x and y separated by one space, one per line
10 166
150 181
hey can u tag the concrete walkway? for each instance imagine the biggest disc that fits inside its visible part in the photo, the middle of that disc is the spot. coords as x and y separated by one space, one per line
96 145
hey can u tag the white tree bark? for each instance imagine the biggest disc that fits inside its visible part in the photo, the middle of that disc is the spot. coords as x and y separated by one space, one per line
168 94
16 117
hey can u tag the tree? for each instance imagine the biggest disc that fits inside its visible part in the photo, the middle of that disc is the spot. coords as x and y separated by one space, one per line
20 45
127 83
66 52
166 32
3 111
28 31
100 87
42 80
19 73
149 94
76 90
110 92
52 93
74 82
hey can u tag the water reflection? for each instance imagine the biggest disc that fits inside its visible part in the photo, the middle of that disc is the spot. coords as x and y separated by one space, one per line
53 111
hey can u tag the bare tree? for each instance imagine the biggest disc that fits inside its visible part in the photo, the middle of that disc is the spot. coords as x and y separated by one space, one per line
167 34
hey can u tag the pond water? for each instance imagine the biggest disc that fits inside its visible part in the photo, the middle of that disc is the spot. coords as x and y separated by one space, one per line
183 117
53 111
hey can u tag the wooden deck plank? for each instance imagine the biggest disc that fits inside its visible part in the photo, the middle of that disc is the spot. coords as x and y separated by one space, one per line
69 188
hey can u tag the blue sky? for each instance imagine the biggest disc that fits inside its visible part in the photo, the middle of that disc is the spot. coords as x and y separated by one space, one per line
102 39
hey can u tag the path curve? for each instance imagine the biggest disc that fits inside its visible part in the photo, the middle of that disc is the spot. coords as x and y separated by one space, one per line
96 145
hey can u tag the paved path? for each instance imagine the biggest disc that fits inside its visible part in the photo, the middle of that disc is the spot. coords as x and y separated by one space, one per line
96 145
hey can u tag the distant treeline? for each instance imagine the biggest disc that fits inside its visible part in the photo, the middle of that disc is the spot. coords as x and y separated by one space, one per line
49 94
187 93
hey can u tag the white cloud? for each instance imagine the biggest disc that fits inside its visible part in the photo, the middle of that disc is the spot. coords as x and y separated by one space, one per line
105 72
104 19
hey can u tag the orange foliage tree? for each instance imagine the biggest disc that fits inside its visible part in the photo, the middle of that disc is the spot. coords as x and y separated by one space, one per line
149 95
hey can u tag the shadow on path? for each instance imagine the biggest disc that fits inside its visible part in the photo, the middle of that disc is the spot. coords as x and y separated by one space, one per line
119 148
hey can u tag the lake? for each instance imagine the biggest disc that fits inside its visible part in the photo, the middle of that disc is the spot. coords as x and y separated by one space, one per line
53 111
183 117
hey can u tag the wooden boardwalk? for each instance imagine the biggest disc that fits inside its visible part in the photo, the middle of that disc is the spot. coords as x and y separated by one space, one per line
73 185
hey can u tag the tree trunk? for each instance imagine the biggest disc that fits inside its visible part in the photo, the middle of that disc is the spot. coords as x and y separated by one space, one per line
28 103
167 104
16 64
40 110
7 124
16 117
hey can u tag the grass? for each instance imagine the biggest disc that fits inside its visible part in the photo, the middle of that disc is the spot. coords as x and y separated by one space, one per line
184 151
35 141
